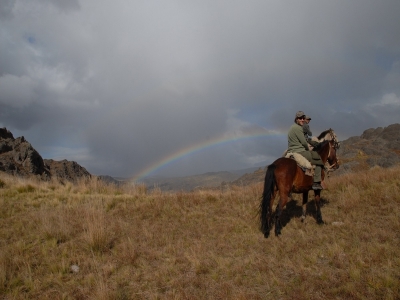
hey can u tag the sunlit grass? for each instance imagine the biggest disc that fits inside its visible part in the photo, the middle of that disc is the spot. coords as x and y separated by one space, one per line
91 240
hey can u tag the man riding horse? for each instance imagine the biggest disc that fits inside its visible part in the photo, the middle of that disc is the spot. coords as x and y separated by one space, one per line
297 143
286 175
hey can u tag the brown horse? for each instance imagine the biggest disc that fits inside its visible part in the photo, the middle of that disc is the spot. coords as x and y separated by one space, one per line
285 176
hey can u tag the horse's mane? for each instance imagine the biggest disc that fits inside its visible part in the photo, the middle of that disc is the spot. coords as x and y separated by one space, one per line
323 134
329 135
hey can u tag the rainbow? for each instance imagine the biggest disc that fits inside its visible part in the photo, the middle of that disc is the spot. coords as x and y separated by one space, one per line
226 138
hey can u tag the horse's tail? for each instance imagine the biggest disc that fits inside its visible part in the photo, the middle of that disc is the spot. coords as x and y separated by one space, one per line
269 186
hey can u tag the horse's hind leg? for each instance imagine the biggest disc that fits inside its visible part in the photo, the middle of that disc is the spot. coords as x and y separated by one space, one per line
271 205
318 206
278 225
305 200
269 213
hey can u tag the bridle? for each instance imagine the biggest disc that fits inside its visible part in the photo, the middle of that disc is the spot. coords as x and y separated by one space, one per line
335 165
336 143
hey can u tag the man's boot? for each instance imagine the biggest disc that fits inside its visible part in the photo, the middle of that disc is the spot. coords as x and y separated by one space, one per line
317 186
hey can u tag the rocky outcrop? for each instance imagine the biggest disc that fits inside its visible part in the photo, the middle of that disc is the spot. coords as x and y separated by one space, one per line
375 147
19 158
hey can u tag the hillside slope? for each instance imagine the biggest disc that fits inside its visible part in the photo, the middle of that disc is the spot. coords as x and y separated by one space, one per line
96 241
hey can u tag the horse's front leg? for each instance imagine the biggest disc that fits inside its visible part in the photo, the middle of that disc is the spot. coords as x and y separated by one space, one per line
305 200
318 206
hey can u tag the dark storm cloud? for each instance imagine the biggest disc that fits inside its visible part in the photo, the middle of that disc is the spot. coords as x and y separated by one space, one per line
119 86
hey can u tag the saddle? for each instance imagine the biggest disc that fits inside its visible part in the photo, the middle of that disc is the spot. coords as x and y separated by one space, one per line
302 162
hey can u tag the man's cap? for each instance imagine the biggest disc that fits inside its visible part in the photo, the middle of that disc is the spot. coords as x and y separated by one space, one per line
300 114
308 118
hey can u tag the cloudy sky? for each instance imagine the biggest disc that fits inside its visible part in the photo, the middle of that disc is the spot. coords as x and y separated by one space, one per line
186 87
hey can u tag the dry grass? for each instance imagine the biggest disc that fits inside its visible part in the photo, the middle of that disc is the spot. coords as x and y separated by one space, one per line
95 241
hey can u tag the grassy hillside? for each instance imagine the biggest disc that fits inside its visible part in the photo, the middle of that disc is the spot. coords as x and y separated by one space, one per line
97 241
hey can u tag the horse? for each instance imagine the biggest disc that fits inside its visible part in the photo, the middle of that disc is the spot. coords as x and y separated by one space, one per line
284 175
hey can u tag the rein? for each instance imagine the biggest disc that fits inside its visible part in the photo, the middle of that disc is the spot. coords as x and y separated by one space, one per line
331 167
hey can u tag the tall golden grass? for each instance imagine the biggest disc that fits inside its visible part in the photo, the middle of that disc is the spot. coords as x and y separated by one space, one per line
96 241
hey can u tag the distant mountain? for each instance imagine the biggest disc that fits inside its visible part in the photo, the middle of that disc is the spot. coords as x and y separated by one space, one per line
112 180
188 183
250 178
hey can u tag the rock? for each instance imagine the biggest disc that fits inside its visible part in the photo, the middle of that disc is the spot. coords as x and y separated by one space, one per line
5 134
19 158
75 268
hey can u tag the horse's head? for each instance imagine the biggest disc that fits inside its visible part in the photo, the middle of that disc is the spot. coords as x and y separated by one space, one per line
332 160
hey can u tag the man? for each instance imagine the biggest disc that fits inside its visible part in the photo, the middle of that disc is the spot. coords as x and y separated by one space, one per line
297 143
306 128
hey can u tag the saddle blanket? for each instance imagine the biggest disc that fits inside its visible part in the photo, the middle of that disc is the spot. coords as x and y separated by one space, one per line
302 162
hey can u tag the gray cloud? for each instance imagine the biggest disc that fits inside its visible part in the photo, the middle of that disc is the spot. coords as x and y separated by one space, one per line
6 8
121 86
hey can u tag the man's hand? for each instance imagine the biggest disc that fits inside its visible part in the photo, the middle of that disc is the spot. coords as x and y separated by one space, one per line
313 143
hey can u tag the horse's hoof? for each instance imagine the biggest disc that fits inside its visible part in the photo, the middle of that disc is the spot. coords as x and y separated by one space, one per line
320 222
303 218
266 235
